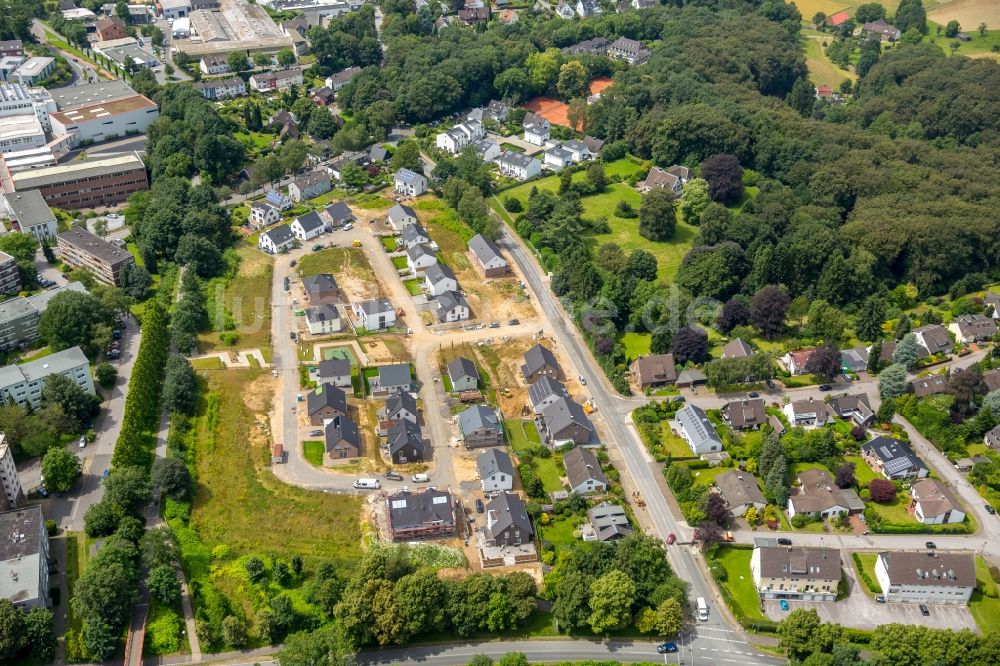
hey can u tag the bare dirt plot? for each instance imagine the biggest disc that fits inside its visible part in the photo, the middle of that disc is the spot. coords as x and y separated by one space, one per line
349 266
969 13
385 350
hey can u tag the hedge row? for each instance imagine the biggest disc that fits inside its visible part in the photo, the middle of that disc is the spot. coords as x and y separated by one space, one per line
872 586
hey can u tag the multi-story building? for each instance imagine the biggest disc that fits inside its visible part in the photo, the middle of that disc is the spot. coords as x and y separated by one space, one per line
90 183
214 64
806 574
11 47
23 132
926 577
24 555
17 99
409 183
279 80
11 492
106 120
221 88
79 247
22 384
425 515
518 165
19 316
458 137
35 70
10 278
29 214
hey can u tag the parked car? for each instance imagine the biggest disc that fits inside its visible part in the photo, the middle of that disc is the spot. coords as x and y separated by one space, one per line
753 394
393 476
479 506
930 545
293 263
494 324
583 380
316 433
770 383
117 335
348 226
291 334
513 322
990 510
880 598
668 647
317 247
924 610
825 387
784 541
83 442
671 538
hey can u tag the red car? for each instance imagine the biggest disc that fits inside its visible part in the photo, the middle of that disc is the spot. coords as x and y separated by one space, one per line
671 538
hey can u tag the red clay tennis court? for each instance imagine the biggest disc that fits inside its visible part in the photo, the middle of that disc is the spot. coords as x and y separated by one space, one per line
549 108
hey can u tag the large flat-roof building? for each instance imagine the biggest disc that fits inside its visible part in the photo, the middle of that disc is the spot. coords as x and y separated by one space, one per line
24 554
22 132
28 213
89 183
78 247
102 121
35 70
22 384
926 577
235 25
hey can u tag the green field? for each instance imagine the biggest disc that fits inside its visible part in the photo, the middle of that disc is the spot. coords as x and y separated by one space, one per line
242 305
336 260
985 609
822 70
739 581
636 344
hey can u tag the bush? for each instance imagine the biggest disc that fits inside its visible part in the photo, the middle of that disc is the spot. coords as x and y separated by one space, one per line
50 527
882 490
512 204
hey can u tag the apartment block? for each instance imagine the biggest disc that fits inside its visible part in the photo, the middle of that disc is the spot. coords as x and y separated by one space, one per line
19 316
79 247
83 184
22 384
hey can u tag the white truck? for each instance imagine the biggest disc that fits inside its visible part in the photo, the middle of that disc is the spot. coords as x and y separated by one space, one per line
702 609
367 484
420 478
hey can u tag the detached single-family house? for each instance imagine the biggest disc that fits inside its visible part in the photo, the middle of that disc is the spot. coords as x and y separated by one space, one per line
497 111
458 137
992 438
309 185
420 256
339 214
214 64
654 370
277 239
325 402
452 307
565 421
539 362
747 414
544 392
930 385
737 348
438 279
991 305
400 216
933 503
463 374
804 574
375 315
263 214
740 490
496 470
536 129
854 407
795 362
308 226
421 515
405 443
398 406
973 328
893 459
518 165
808 414
321 289
926 577
880 31
279 200
323 320
507 522
414 234
578 149
564 10
336 371
606 522
585 8
392 378
934 339
342 439
340 79
697 430
817 495
556 158
658 178
409 183
480 426
583 471
488 258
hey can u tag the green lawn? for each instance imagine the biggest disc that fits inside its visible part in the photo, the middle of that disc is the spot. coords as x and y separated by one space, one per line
822 70
862 472
255 140
739 581
371 202
636 344
336 260
672 444
896 510
550 471
560 532
399 262
797 468
521 433
389 243
706 477
985 609
77 555
868 566
313 451
413 286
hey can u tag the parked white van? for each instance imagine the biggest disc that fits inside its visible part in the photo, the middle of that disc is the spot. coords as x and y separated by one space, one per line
702 609
420 478
367 484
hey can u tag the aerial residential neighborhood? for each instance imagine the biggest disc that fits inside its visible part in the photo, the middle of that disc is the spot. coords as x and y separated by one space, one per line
583 332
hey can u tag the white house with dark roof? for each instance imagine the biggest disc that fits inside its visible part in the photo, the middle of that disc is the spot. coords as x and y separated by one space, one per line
808 414
414 234
323 320
30 214
697 430
544 392
438 279
375 315
605 522
487 257
463 374
277 239
309 185
934 339
420 256
557 157
400 216
518 165
741 492
392 378
339 214
458 137
926 577
583 472
409 183
933 503
399 406
452 307
855 407
308 226
893 459
973 328
496 470
658 178
263 214
536 129
336 371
